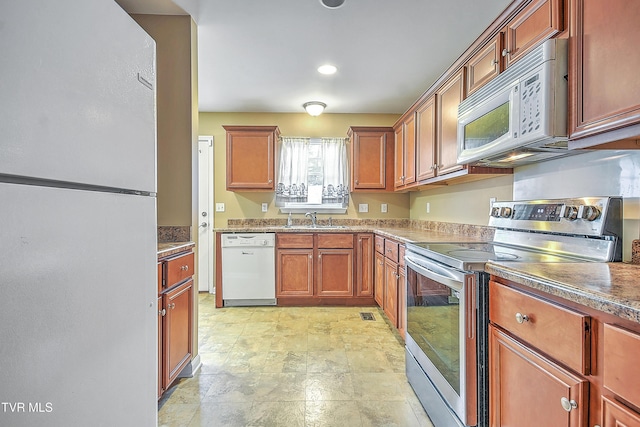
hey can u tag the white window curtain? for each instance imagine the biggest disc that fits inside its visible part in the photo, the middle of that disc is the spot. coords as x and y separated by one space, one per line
292 175
335 171
323 161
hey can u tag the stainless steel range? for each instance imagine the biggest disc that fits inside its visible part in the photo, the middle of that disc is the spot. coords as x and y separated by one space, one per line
447 294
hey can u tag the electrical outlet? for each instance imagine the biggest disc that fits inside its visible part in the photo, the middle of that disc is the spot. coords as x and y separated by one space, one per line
219 207
428 207
363 207
265 207
383 208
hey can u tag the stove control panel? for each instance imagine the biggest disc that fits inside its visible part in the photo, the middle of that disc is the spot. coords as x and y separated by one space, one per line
590 216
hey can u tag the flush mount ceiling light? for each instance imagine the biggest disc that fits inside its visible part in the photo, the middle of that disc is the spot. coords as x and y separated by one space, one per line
314 108
327 69
332 4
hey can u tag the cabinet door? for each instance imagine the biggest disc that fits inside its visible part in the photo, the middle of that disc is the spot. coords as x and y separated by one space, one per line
539 21
294 272
615 414
161 313
250 157
484 65
399 156
379 279
409 148
364 266
426 140
178 304
603 68
391 291
447 100
335 273
527 390
369 159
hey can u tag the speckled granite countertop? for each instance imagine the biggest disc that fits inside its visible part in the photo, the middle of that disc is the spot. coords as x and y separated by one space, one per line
170 248
613 288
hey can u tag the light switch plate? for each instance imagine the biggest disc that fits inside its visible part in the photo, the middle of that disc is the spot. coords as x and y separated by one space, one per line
219 207
383 208
363 207
265 207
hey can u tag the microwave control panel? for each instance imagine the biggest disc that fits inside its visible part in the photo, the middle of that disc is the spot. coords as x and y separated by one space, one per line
531 105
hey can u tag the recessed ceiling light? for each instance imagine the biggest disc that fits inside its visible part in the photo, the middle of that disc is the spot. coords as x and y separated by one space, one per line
332 4
327 69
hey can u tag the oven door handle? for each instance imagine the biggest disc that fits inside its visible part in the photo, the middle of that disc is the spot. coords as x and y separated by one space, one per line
441 277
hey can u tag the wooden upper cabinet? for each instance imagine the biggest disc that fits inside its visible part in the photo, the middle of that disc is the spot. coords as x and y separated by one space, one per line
604 89
426 139
540 20
405 152
448 98
484 65
371 158
250 157
398 155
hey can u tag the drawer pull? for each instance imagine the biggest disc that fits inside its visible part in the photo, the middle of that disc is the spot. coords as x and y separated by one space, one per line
184 268
567 404
521 318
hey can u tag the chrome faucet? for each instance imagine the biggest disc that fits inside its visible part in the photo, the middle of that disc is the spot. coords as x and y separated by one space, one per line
313 218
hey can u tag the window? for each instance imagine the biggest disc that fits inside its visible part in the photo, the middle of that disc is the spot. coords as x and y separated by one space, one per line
313 175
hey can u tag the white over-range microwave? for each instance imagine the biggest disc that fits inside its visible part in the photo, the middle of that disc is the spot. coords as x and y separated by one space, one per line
519 117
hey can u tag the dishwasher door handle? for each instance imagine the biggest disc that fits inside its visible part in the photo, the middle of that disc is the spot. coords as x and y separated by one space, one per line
247 253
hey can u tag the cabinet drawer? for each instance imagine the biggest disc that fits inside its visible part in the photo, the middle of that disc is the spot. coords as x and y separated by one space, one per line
621 368
379 244
401 249
391 250
335 241
159 277
295 240
561 333
178 269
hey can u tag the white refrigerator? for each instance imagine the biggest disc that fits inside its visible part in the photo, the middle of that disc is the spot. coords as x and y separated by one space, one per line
78 303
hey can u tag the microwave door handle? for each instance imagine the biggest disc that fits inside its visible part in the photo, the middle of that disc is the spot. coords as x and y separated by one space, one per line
444 280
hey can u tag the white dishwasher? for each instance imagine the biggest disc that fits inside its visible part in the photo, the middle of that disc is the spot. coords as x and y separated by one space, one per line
248 269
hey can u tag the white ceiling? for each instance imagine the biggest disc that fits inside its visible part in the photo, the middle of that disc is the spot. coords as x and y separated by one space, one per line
262 55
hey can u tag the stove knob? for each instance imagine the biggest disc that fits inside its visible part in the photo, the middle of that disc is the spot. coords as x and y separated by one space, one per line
571 213
495 212
590 213
505 213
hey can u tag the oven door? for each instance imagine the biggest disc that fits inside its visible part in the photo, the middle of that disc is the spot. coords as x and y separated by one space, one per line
441 331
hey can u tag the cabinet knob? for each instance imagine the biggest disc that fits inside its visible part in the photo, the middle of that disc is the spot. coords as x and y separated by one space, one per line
495 62
171 306
521 318
505 52
184 268
567 404
162 312
357 182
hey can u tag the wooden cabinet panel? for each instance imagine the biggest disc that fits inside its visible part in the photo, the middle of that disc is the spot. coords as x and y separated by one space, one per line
250 157
484 65
398 180
379 279
447 100
391 250
561 333
526 389
178 340
539 21
335 272
402 302
294 240
364 265
371 158
161 312
621 368
379 244
409 150
615 414
391 291
335 241
604 89
294 272
178 269
426 140
160 277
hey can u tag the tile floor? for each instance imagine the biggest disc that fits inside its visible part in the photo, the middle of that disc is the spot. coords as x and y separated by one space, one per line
292 366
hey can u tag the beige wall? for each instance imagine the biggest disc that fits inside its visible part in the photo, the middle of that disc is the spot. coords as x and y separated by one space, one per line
248 204
176 61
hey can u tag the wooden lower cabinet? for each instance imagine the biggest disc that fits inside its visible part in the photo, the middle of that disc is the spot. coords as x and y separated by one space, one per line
379 279
616 414
161 312
527 389
402 301
391 291
177 337
294 276
335 273
364 265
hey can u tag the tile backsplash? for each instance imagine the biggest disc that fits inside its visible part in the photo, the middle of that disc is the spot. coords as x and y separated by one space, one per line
174 233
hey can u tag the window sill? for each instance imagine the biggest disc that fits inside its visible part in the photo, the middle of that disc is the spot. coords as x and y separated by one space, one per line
328 208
